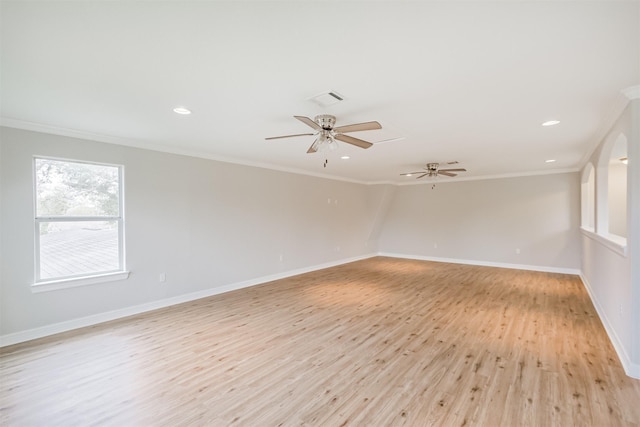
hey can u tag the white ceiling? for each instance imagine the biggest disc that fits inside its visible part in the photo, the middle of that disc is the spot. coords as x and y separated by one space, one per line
465 81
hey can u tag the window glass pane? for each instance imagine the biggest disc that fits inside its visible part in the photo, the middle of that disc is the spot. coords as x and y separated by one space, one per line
76 189
73 248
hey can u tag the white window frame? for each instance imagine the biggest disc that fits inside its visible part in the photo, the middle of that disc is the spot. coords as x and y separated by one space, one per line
64 282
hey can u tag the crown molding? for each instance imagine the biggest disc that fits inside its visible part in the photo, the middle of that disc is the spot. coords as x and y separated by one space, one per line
108 139
497 176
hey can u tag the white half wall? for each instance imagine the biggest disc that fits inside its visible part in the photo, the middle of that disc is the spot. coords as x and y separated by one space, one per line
611 269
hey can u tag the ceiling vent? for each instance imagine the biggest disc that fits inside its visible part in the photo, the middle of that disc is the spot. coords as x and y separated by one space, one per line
327 99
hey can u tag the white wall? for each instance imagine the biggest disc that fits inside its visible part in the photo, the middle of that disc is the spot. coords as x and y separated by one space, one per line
633 219
487 221
206 224
612 275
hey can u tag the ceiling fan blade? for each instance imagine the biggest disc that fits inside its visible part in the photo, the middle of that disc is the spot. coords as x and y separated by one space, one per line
440 172
358 127
314 147
410 173
422 176
289 136
452 170
384 141
307 121
353 141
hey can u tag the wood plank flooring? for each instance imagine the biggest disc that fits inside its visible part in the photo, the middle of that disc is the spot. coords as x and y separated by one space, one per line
379 342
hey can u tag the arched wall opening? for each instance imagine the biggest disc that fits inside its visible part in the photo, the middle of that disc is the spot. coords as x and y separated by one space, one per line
611 190
617 188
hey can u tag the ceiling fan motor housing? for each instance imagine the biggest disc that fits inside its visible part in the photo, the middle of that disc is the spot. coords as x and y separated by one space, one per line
326 121
432 169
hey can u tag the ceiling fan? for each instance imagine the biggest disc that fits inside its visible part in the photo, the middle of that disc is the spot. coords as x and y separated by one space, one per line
327 134
433 170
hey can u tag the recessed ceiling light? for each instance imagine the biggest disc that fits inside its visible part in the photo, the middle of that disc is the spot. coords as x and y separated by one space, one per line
345 157
550 161
551 123
182 110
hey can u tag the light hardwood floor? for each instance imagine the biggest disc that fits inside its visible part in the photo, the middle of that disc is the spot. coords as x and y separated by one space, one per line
379 342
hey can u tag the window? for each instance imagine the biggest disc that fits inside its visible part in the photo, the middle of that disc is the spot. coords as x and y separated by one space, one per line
78 220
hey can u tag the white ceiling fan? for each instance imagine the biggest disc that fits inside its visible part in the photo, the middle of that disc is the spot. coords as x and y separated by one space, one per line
326 134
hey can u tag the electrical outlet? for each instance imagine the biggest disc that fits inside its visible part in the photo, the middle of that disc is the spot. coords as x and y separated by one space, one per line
162 278
281 257
518 251
435 246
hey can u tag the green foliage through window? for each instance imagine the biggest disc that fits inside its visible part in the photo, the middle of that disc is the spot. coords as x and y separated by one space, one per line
76 189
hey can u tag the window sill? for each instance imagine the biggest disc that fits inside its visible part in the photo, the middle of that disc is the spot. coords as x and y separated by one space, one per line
55 285
615 243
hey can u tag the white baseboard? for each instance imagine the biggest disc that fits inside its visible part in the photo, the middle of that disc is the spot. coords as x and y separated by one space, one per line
545 269
56 328
31 334
630 368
